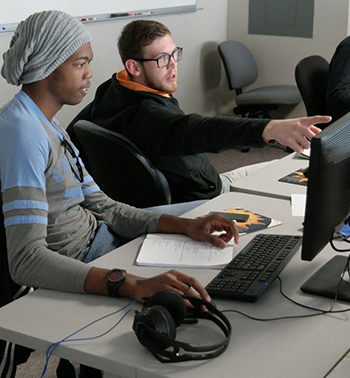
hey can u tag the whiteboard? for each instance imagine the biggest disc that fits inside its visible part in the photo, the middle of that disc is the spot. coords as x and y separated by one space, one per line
14 11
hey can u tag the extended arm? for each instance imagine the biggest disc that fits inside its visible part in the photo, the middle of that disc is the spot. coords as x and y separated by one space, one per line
166 130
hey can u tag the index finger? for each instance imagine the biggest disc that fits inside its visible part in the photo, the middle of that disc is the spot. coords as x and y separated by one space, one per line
231 230
317 119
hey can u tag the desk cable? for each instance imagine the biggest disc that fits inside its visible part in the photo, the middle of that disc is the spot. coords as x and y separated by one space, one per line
66 339
319 311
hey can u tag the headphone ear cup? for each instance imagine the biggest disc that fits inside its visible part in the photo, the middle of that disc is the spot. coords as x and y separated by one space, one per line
171 301
159 319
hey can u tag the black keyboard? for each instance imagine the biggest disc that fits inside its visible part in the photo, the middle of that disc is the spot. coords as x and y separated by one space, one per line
253 270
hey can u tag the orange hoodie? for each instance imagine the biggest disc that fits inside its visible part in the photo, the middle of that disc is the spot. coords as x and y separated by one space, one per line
125 81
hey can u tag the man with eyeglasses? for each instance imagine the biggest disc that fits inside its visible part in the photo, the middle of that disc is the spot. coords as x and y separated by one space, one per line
138 103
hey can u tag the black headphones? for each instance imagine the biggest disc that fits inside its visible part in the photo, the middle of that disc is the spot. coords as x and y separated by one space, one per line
155 327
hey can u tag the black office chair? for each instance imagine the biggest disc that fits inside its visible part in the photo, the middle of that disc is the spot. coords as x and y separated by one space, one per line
120 168
241 71
311 76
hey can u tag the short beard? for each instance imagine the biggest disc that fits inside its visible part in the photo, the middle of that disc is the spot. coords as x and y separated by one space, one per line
151 84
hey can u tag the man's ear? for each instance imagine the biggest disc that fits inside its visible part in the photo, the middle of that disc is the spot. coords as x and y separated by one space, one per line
132 67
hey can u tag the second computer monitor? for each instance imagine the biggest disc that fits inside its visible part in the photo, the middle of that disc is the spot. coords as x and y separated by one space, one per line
328 192
327 207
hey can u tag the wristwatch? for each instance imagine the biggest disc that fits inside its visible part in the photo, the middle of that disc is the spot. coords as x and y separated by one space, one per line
115 279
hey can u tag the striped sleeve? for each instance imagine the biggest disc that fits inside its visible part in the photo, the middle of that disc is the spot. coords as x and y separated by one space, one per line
24 157
22 174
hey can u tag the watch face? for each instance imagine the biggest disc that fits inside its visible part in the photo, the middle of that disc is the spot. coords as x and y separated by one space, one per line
115 275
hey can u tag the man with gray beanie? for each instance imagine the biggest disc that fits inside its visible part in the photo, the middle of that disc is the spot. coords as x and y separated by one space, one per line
56 217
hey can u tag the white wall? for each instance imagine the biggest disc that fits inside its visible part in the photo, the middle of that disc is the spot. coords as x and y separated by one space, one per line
200 76
202 82
277 56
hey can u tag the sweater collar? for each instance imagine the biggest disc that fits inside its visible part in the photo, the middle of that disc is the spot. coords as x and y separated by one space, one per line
124 80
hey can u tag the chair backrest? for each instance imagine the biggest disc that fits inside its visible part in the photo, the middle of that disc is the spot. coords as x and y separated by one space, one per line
6 295
84 114
240 65
311 76
119 167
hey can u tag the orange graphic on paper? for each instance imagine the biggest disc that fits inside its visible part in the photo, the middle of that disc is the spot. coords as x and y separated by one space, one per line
299 176
254 223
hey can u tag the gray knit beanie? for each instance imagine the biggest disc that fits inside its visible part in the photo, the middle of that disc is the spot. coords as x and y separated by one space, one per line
41 43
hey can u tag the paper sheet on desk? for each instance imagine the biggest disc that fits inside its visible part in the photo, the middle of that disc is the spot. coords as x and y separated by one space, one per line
298 205
169 250
297 177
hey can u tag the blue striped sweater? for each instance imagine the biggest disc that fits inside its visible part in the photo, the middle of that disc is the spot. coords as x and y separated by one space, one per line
49 214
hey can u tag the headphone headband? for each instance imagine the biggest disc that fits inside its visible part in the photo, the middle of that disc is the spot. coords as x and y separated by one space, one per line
164 346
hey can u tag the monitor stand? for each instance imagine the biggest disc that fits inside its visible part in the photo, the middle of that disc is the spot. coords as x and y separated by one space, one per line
326 280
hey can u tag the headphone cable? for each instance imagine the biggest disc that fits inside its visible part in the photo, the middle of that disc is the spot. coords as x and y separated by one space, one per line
53 346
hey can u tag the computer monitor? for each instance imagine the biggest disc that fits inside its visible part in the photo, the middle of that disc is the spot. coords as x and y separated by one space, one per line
327 206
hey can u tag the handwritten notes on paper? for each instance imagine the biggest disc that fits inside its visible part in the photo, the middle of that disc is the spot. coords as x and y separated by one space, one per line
168 250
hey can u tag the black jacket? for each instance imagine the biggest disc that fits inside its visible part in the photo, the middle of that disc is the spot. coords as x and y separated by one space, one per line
338 90
175 143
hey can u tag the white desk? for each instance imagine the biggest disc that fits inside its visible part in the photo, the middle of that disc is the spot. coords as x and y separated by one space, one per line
291 348
265 181
342 370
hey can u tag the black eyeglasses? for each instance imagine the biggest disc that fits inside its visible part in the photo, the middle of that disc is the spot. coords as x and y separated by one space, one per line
75 165
164 59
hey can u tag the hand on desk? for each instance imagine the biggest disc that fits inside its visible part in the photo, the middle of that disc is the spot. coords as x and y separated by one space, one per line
137 287
201 229
173 280
295 133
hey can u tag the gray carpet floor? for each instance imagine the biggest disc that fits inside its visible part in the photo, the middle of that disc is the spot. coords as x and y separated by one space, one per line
223 162
232 159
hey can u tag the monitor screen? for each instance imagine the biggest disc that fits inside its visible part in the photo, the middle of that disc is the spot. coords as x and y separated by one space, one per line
328 192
